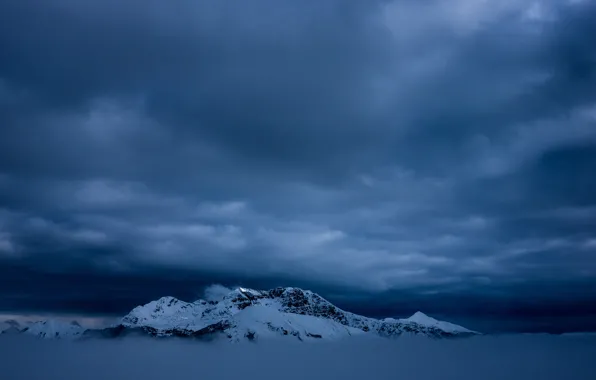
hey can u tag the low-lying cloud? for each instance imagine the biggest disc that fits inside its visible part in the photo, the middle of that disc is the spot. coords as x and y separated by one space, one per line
216 292
506 357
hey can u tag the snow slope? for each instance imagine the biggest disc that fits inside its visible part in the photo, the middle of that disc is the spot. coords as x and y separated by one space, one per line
250 315
52 329
167 312
424 320
286 312
262 321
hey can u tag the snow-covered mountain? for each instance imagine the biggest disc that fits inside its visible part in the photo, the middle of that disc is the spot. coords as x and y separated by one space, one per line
49 329
425 320
282 312
52 329
251 315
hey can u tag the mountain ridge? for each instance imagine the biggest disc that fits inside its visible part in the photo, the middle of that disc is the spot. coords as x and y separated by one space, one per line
249 315
170 316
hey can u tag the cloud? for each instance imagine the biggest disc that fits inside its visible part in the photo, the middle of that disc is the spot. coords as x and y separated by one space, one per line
6 245
519 357
381 147
216 292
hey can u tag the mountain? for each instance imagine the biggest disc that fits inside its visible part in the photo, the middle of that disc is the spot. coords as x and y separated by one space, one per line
282 312
425 320
52 329
49 329
251 315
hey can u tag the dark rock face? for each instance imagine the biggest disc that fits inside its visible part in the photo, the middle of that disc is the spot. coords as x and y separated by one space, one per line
314 335
242 303
297 301
283 331
218 327
112 332
132 320
250 335
244 298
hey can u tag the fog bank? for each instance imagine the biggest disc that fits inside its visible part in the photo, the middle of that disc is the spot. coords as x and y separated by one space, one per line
504 357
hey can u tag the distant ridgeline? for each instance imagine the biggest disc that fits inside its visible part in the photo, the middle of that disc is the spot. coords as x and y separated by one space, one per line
248 315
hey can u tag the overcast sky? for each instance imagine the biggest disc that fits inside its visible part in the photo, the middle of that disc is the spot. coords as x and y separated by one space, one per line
390 155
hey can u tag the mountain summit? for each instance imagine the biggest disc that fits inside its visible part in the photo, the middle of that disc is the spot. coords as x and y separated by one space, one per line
250 315
254 314
49 329
425 320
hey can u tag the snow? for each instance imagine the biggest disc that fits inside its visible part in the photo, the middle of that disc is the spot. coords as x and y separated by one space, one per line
248 314
52 329
424 320
250 291
266 321
290 312
167 312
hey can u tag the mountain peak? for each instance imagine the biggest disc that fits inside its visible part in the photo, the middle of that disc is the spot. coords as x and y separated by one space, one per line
54 329
286 311
420 317
168 300
424 320
244 293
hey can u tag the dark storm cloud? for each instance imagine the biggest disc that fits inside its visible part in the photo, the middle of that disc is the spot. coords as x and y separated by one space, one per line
258 86
415 151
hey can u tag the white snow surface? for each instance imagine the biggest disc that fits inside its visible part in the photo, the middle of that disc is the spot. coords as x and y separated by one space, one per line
52 329
283 312
247 314
424 320
166 312
268 322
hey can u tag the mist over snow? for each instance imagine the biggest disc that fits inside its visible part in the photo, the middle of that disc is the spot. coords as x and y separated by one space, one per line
507 357
216 292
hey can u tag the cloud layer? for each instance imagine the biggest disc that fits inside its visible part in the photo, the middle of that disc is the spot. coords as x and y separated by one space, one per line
410 150
507 357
